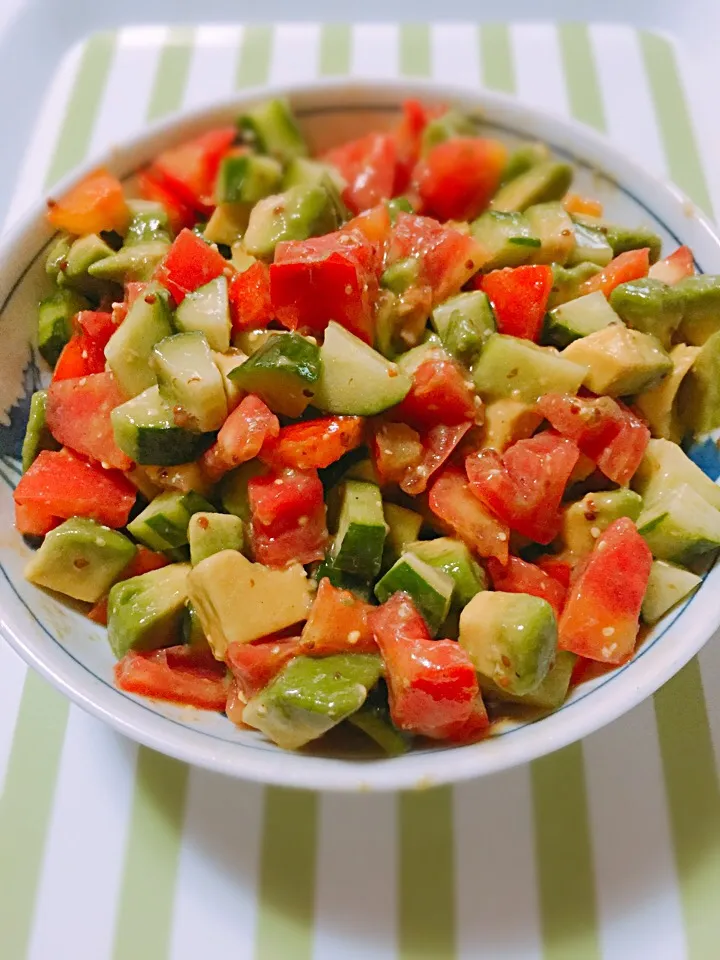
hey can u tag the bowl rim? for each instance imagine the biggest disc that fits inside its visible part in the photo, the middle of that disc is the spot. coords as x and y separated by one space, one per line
430 767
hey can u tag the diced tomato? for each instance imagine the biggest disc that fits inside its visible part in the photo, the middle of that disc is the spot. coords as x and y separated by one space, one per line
674 268
80 357
143 562
585 206
78 416
326 278
338 623
432 684
241 437
524 486
580 671
519 297
368 167
440 393
61 484
522 577
601 617
95 204
189 263
288 517
470 730
396 448
133 289
374 224
447 258
408 140
249 295
632 265
314 444
556 567
33 521
438 445
457 178
96 324
180 214
605 430
452 502
189 170
254 665
168 675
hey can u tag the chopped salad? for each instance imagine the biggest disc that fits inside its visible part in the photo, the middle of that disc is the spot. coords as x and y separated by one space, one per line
389 435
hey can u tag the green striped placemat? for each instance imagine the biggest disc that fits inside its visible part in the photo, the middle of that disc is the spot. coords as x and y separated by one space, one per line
608 848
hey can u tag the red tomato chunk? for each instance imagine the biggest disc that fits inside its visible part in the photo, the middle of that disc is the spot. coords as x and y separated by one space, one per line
254 665
522 577
457 179
189 263
338 623
452 501
170 675
315 443
519 297
241 437
288 517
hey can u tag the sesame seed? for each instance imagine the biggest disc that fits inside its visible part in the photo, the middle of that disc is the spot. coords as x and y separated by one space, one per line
353 636
278 482
302 521
261 710
82 382
502 537
84 354
595 532
608 631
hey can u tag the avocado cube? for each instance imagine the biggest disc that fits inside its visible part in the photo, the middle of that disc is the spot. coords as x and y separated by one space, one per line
296 214
37 435
507 421
84 252
668 584
209 533
584 520
448 125
57 256
403 528
567 281
453 558
620 361
699 393
545 181
511 638
650 306
660 406
146 612
430 588
551 693
163 524
309 696
149 221
622 238
80 558
238 601
136 262
700 296
680 525
521 160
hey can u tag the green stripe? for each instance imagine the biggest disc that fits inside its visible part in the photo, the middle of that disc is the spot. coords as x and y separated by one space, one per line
254 58
415 59
676 129
335 48
583 86
172 73
83 106
287 876
568 910
496 59
693 796
426 875
144 919
26 807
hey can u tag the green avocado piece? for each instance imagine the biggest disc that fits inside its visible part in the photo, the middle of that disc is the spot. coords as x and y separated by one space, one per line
37 435
545 181
453 558
375 721
620 361
55 316
270 127
700 297
584 520
149 222
622 239
551 224
296 214
146 612
284 373
311 695
668 584
567 281
551 693
660 406
429 587
209 533
680 525
698 396
650 306
448 125
521 160
56 260
136 262
80 558
511 367
511 638
83 253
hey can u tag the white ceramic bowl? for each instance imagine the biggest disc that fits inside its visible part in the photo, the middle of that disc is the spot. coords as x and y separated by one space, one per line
70 651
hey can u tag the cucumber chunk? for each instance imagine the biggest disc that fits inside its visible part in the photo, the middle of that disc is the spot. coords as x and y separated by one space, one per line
145 430
510 367
650 306
668 584
271 128
207 311
429 587
233 488
620 361
666 466
246 178
374 720
285 373
453 558
508 237
303 172
551 224
56 260
578 318
464 323
55 316
358 544
403 528
680 525
297 214
136 262
190 382
448 125
163 524
591 246
37 435
342 580
567 281
129 348
356 379
148 222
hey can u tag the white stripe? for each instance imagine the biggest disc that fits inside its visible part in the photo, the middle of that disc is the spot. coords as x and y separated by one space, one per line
375 50
496 885
216 893
82 867
124 104
356 887
638 895
626 95
12 681
38 155
538 67
454 52
213 67
295 53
